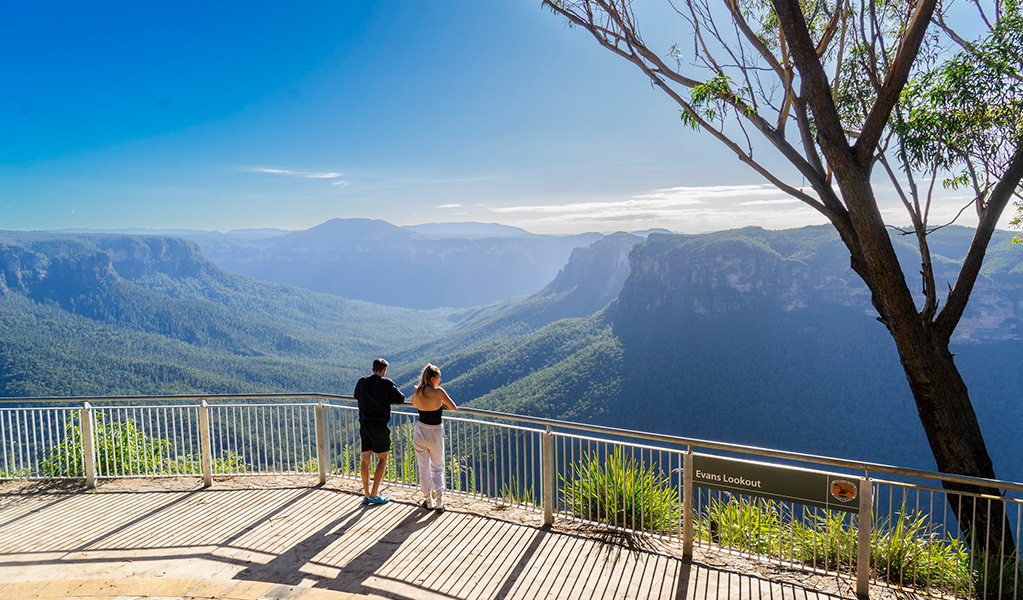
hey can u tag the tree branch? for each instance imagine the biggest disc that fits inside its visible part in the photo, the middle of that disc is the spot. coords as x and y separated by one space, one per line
949 316
815 87
898 75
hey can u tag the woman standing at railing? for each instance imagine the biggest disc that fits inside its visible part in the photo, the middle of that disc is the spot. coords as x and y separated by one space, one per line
428 438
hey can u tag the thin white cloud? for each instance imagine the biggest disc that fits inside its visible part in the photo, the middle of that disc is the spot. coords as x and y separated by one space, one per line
667 203
303 174
770 202
697 195
450 206
690 209
342 183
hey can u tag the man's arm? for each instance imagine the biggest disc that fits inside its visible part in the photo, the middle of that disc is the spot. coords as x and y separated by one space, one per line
396 396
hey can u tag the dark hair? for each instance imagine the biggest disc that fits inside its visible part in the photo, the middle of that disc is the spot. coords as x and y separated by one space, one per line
379 365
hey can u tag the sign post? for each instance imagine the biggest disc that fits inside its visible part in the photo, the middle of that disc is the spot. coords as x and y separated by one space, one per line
774 482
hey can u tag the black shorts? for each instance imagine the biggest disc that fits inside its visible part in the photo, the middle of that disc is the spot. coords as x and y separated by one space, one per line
376 437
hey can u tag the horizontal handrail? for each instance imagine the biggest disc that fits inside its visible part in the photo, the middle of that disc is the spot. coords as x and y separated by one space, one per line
551 423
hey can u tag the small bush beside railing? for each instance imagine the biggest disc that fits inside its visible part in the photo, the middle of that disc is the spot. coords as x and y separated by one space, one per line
611 480
623 492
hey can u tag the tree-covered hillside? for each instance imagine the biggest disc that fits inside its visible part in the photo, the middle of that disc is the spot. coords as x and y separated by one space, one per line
104 314
591 279
753 337
748 336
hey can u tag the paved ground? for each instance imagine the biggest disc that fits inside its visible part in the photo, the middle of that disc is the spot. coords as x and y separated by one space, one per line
251 538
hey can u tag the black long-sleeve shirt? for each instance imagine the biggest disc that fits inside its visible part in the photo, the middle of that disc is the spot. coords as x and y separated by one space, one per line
376 394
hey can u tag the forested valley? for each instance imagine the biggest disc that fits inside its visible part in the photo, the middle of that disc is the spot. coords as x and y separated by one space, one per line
748 336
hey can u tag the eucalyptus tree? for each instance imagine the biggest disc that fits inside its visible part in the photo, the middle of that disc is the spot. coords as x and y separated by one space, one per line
850 94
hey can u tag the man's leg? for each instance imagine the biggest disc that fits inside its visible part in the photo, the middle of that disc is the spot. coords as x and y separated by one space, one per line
364 471
378 475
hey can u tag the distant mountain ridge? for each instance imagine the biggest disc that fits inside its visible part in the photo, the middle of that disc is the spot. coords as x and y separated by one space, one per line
469 230
372 260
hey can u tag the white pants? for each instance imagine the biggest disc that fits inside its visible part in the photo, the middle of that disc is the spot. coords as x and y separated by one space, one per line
428 442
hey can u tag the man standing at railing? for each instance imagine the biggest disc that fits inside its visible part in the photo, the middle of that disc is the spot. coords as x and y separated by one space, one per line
375 395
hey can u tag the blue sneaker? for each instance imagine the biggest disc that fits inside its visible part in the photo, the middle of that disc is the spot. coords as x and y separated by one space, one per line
378 500
365 500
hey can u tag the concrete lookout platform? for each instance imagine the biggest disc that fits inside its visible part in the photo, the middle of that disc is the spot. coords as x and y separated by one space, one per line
167 588
260 537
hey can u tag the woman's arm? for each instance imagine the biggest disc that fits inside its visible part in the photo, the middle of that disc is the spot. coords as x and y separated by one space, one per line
446 400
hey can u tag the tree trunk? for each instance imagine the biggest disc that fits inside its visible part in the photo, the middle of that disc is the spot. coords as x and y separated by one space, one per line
954 435
941 396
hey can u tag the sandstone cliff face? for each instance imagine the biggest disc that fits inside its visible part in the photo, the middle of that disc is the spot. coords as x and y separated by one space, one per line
594 275
25 271
138 257
754 270
75 265
20 268
709 277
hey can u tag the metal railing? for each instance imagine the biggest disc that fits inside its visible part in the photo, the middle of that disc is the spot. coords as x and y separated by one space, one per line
916 533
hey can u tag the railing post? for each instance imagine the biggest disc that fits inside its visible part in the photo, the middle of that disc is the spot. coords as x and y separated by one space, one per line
88 445
688 499
204 444
548 477
321 442
863 544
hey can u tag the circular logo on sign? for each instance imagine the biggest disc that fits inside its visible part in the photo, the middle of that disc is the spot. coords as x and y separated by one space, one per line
843 490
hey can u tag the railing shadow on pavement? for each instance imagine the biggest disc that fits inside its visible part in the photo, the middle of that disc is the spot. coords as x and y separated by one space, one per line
928 533
323 537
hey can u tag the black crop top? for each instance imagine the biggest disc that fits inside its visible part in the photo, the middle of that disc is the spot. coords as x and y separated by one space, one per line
430 417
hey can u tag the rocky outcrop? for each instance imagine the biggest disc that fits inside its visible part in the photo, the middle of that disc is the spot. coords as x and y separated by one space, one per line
66 266
28 270
20 268
752 269
135 257
594 275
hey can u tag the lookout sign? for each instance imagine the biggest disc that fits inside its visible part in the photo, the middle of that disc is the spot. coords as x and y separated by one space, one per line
789 484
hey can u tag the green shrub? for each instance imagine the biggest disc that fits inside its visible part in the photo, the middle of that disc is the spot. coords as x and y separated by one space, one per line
1004 575
401 464
310 466
753 524
454 469
622 492
910 553
347 461
514 492
904 551
120 449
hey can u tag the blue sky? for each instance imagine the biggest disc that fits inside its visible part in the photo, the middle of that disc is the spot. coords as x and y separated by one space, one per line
237 115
